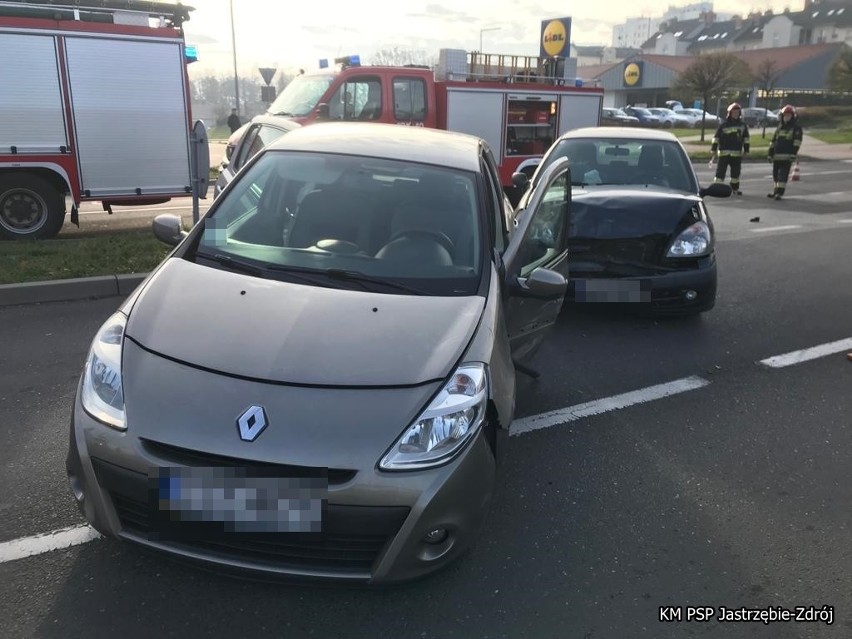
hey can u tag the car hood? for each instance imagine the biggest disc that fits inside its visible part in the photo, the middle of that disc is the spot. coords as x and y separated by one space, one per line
626 224
293 333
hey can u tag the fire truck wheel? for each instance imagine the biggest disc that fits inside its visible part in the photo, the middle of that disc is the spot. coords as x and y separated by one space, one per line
30 207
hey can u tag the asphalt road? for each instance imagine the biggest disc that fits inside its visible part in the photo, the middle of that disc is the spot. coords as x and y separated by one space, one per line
737 493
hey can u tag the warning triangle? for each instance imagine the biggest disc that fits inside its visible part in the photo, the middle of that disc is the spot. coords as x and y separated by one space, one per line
267 73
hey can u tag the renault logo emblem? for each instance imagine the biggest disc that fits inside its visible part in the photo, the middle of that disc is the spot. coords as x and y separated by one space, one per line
251 423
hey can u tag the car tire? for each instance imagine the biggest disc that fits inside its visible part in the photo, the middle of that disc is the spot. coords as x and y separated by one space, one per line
30 207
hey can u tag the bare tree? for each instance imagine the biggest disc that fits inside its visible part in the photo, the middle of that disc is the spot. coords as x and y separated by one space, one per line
840 74
765 77
400 56
709 75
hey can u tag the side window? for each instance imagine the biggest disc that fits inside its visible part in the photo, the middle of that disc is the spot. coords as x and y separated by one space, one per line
496 201
357 99
543 240
265 136
245 149
409 99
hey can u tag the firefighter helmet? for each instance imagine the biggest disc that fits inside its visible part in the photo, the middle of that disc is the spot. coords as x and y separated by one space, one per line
789 108
732 106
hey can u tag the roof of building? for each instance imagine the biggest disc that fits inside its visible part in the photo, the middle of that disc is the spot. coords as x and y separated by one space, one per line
594 70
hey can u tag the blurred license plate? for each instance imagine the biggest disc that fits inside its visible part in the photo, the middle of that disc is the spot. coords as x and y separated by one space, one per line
604 290
196 501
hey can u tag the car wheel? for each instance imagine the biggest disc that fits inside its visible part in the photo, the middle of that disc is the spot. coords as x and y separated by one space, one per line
30 207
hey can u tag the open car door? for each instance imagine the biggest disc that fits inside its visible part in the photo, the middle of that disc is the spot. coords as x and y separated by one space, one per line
536 261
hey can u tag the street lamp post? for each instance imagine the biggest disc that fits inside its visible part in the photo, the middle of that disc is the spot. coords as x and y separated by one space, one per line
481 31
234 50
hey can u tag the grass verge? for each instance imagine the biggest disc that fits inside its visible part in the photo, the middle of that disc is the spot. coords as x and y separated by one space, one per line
56 259
832 136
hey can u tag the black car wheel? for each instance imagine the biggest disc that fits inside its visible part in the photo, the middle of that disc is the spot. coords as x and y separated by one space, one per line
30 207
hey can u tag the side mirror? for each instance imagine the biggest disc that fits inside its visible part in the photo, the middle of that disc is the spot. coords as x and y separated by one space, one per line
520 180
168 229
717 189
545 284
224 165
322 111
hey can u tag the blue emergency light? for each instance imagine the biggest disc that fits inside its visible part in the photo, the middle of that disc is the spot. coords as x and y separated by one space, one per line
190 52
324 63
349 60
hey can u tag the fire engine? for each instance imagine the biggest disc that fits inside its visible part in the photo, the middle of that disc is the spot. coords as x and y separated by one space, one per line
95 106
518 104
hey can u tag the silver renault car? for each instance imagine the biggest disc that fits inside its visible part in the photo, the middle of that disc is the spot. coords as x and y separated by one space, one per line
319 380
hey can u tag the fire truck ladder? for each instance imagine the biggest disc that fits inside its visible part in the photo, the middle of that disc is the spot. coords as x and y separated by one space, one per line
103 11
499 67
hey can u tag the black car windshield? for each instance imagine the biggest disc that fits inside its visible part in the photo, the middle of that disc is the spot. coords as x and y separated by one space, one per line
614 161
349 221
301 96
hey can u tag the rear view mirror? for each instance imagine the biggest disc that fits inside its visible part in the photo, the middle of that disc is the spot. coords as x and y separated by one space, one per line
520 180
168 229
717 189
616 150
545 284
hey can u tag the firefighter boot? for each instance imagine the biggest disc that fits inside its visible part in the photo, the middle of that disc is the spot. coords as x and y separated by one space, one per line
735 187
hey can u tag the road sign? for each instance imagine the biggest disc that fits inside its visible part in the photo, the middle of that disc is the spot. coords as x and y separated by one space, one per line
267 73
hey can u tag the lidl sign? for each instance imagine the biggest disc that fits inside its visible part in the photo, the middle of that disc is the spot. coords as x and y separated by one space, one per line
555 38
633 74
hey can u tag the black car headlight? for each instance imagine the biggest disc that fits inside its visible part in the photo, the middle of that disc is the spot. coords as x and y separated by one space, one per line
695 241
102 394
447 424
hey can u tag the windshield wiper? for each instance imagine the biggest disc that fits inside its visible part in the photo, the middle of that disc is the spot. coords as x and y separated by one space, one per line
363 278
234 264
285 113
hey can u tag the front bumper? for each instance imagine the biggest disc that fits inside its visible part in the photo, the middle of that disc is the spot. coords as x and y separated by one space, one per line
373 529
658 293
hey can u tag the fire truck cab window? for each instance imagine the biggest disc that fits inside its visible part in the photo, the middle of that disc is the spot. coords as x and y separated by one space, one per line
530 126
409 99
358 99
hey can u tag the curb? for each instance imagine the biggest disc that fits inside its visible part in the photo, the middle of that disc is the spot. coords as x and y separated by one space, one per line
71 289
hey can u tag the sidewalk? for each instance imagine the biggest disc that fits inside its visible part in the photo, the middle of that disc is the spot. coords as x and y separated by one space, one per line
811 147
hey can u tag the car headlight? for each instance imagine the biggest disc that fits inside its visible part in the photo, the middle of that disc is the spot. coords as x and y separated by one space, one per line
692 242
103 395
447 424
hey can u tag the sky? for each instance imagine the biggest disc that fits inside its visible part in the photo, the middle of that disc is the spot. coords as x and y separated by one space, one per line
293 35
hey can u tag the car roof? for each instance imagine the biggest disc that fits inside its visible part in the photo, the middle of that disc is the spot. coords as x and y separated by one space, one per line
389 141
276 121
597 132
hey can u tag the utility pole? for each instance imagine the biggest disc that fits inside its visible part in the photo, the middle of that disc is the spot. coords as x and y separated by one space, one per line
234 49
481 31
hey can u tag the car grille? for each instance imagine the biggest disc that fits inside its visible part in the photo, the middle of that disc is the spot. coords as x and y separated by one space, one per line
186 457
352 539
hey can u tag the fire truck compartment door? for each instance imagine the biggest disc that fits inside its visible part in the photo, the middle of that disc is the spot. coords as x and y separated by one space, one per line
477 112
578 110
30 99
130 116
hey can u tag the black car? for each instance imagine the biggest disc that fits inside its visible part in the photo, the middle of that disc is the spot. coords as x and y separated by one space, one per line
639 231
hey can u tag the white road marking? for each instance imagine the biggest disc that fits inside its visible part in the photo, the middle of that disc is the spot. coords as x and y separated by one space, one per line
845 221
139 209
786 227
807 354
38 544
599 406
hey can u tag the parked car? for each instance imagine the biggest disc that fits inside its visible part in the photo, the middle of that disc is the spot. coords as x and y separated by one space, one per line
645 117
670 119
340 329
758 117
248 141
640 232
696 115
616 117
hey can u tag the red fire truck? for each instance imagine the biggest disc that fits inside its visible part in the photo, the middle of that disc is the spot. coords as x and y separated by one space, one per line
518 104
94 106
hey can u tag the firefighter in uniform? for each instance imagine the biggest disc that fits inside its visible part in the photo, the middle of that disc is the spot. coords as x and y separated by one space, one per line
730 143
784 149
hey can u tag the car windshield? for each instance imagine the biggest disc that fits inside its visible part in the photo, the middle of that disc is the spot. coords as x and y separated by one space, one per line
301 96
614 161
349 221
642 111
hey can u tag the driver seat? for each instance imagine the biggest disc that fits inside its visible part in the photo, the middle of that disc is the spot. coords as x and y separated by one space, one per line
651 158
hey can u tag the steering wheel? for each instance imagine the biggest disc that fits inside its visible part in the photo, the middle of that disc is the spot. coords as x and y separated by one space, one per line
436 236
